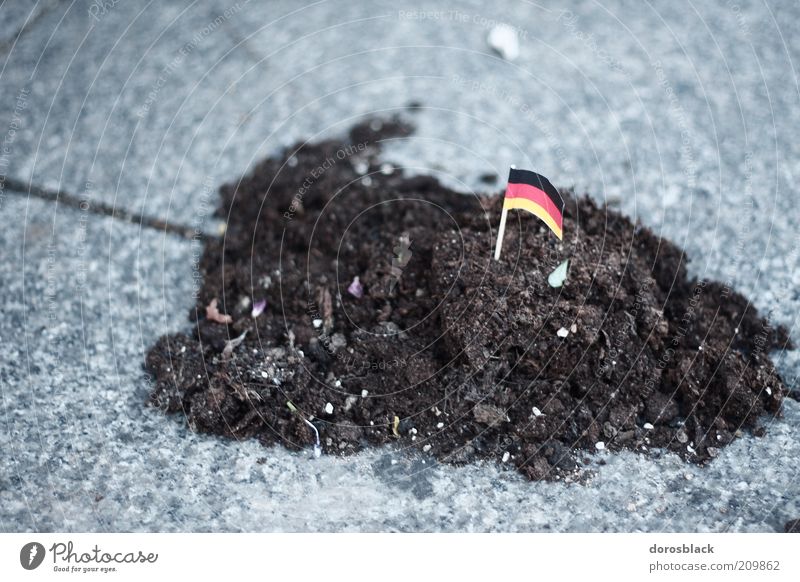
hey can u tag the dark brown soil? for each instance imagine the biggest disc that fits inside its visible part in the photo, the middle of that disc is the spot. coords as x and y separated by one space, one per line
447 350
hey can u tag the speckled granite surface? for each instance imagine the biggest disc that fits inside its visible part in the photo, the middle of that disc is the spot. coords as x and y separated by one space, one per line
682 114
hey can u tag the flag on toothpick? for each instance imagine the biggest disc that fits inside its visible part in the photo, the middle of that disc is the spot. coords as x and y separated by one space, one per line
530 191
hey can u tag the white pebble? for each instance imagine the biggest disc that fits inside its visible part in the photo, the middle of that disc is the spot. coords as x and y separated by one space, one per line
349 402
317 323
413 431
769 391
264 374
386 169
440 425
329 408
563 332
426 448
573 328
503 38
648 426
506 456
364 393
536 411
600 445
366 181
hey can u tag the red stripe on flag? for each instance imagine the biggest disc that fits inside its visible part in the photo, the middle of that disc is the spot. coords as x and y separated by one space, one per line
535 195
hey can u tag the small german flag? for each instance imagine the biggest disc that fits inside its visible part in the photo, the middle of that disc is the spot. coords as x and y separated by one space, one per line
530 191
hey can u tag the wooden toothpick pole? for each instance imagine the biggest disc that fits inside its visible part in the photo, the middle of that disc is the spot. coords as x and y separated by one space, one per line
501 231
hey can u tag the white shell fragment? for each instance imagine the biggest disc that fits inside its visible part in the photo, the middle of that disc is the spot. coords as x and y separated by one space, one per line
329 408
536 411
600 445
364 393
503 39
647 426
506 456
563 332
559 275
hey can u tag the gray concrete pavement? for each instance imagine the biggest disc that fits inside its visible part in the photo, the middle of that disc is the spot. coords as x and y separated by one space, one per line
682 114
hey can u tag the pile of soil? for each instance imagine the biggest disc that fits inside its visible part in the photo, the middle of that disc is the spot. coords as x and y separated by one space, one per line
438 346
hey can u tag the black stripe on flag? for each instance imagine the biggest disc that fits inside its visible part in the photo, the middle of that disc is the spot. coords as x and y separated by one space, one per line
516 176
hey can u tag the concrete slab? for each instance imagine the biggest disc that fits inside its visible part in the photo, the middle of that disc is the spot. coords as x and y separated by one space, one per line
682 115
83 298
19 16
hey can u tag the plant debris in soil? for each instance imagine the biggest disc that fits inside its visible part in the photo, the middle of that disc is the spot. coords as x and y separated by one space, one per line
388 321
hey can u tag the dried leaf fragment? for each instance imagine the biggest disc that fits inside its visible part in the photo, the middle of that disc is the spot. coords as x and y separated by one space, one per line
213 314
